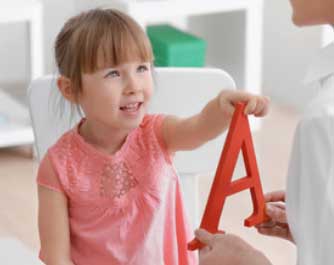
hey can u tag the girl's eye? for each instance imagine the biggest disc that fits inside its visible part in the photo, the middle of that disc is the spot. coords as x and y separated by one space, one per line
142 68
113 73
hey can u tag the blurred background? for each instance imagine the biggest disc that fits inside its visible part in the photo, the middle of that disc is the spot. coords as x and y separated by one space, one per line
253 40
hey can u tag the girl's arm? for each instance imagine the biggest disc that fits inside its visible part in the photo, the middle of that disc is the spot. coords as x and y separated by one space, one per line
54 227
190 133
53 221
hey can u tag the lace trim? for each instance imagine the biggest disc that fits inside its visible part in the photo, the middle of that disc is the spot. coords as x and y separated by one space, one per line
116 180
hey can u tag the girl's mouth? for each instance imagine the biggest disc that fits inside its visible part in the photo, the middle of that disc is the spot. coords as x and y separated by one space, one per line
132 107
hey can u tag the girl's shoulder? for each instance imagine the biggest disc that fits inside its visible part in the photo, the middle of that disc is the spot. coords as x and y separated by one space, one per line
149 136
64 140
66 147
151 120
150 128
49 172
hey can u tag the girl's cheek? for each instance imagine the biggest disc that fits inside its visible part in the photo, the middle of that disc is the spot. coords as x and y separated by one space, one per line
149 92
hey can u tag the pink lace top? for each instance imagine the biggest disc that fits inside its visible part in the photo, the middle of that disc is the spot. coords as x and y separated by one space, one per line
124 208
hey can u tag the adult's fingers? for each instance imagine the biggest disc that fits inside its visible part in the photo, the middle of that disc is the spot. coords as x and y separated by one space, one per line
280 205
275 196
277 231
276 214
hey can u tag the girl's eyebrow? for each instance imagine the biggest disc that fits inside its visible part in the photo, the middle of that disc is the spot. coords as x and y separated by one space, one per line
109 68
103 70
119 67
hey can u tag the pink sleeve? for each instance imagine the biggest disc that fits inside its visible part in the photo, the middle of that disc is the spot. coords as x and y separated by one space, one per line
158 123
47 176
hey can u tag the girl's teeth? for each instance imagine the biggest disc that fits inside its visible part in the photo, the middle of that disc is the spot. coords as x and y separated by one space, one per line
131 107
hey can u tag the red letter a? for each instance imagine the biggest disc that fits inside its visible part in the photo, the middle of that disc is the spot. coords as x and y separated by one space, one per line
238 137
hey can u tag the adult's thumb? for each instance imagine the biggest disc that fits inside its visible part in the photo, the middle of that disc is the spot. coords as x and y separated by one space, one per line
204 236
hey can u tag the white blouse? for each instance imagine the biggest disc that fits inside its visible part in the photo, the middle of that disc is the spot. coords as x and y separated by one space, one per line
310 187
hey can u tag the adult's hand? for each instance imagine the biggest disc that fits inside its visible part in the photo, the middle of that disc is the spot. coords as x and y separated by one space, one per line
227 249
277 225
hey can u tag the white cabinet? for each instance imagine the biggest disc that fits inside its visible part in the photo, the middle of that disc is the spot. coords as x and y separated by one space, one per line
15 126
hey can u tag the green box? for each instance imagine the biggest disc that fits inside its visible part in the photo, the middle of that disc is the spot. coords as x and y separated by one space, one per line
173 47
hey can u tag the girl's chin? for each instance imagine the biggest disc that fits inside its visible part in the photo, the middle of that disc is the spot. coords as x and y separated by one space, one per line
133 121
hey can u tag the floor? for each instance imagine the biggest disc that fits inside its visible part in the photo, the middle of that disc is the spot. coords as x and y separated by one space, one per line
18 200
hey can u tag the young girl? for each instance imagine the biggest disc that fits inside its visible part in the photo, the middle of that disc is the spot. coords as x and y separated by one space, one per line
108 191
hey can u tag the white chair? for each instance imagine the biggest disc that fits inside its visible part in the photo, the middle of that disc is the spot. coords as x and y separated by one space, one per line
178 91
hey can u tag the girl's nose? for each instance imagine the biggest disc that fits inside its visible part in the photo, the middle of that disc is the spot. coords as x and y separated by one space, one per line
131 87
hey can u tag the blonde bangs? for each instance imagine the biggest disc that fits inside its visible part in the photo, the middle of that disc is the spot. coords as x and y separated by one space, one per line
111 39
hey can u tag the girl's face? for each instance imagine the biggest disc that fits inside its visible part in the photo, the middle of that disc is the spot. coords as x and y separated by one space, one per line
117 97
312 12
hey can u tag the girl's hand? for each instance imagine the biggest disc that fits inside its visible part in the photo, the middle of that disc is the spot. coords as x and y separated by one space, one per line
278 225
227 249
256 105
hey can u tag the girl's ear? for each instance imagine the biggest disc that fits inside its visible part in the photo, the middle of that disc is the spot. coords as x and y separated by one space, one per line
65 86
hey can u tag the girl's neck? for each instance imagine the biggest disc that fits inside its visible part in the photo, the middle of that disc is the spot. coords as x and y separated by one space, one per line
105 139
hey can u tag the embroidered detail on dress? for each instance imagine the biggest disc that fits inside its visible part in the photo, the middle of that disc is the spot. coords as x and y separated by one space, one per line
116 180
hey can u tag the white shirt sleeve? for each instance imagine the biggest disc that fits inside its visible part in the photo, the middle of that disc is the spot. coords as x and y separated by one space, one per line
310 190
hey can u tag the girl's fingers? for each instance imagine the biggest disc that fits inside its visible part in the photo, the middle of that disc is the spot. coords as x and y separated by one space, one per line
251 106
262 107
229 109
267 105
236 96
256 105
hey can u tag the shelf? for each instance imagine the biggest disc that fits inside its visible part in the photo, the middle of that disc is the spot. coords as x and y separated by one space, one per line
15 129
165 9
153 11
9 12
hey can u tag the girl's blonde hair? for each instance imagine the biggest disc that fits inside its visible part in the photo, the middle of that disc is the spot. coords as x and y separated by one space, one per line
97 39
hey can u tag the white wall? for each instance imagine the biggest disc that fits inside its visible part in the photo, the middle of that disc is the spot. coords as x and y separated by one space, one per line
14 42
13 52
286 48
287 51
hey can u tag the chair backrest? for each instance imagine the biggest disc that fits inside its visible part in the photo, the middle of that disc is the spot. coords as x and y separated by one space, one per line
178 91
